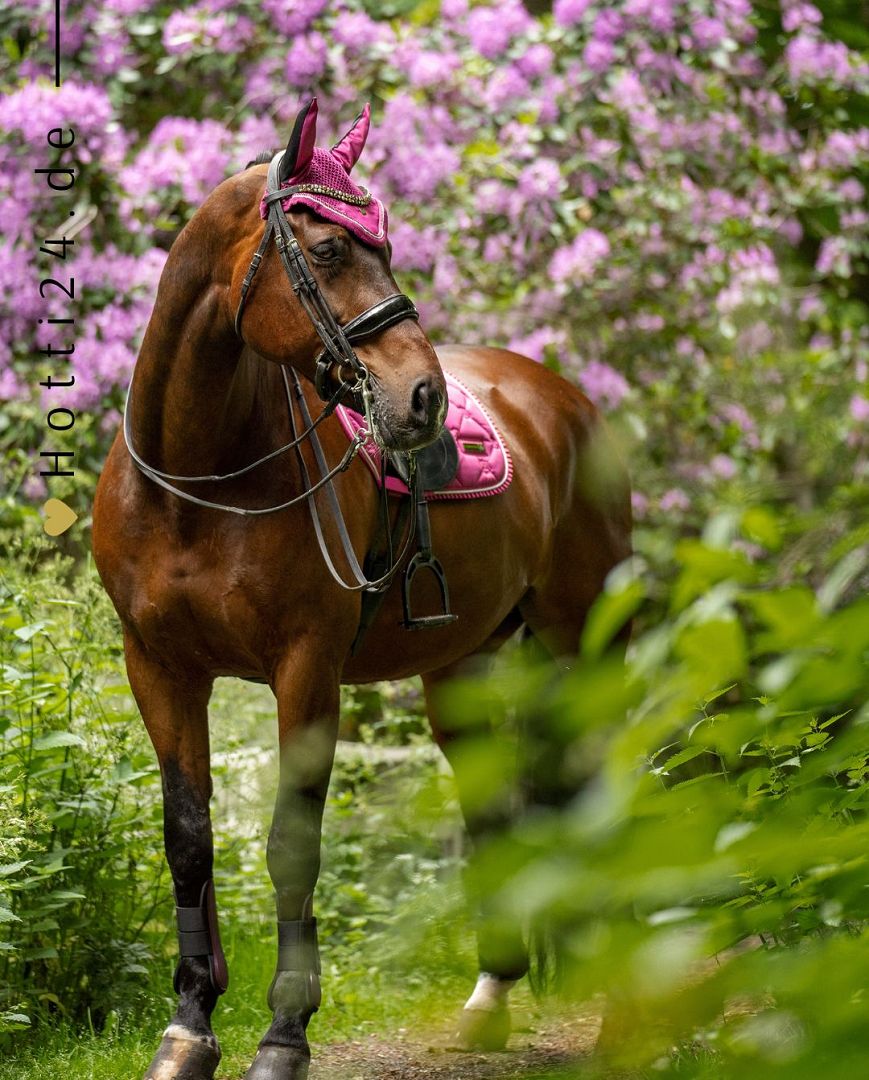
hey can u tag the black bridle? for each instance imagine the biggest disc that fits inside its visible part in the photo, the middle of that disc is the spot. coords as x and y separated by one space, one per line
337 340
337 350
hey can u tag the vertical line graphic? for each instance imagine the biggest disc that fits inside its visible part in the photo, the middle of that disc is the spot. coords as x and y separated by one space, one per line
57 42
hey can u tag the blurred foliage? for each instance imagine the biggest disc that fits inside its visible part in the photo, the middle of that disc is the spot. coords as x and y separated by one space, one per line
709 875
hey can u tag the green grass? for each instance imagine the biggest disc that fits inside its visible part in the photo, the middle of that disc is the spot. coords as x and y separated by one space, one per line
415 973
359 999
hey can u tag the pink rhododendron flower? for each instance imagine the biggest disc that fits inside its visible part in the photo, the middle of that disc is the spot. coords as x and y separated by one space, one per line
535 61
724 466
859 408
569 12
306 60
578 261
798 16
708 32
293 17
834 257
357 31
598 55
492 29
603 384
810 59
536 343
542 179
639 504
674 499
658 14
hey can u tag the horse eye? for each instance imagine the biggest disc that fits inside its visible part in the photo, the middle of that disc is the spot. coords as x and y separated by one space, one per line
326 252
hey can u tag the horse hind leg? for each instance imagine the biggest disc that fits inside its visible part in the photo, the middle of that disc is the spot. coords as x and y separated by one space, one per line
175 711
503 960
592 540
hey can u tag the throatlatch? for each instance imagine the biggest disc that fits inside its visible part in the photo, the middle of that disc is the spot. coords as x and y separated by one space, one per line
198 935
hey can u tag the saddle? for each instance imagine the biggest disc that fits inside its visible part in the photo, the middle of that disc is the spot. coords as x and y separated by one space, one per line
468 460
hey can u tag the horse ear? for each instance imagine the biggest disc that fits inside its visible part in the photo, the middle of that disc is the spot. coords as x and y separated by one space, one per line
348 148
300 148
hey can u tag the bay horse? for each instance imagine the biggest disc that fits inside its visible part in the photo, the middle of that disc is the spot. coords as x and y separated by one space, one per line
207 585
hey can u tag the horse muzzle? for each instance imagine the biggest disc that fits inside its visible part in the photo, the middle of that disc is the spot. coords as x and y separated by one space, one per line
419 422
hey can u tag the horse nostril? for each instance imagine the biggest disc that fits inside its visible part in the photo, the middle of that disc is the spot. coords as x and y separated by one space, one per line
425 399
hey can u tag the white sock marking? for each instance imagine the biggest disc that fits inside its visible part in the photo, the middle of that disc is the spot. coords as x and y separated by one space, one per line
490 993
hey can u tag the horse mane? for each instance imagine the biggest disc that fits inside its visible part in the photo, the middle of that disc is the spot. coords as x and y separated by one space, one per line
262 158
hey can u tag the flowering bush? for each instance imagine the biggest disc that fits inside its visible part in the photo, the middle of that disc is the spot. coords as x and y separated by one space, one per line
665 200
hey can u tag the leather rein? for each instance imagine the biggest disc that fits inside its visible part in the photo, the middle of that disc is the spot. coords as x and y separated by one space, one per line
337 350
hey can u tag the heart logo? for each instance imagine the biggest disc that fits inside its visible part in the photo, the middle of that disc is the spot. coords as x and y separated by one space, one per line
58 517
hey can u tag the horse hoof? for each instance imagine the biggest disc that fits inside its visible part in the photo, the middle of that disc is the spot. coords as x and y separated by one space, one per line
484 1029
279 1063
183 1055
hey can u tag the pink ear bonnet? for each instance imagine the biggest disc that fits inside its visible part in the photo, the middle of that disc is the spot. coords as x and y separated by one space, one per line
320 179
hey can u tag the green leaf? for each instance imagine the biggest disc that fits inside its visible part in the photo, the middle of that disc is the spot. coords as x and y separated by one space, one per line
715 648
718 693
761 525
55 739
46 953
7 916
608 615
732 833
792 616
688 754
12 50
8 869
12 1021
704 567
845 571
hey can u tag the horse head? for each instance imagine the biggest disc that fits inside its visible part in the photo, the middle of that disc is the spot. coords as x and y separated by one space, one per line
341 279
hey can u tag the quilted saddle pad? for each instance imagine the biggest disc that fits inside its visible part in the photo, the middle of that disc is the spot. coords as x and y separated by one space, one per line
485 467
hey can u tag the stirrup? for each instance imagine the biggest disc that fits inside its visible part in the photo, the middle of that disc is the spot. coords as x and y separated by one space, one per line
424 559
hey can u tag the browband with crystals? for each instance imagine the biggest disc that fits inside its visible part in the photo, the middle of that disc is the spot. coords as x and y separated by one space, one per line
332 193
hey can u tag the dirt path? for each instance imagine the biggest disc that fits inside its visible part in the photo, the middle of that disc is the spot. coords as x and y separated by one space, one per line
549 1048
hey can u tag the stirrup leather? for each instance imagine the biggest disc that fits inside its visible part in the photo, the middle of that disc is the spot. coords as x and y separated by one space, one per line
424 559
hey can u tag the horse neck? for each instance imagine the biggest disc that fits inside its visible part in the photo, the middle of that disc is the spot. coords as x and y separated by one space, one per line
201 401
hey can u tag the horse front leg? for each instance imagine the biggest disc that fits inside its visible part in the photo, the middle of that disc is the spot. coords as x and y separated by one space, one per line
174 707
308 696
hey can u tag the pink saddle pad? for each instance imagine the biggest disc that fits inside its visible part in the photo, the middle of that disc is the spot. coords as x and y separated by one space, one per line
485 467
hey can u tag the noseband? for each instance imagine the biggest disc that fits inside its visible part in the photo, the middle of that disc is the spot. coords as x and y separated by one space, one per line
338 341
